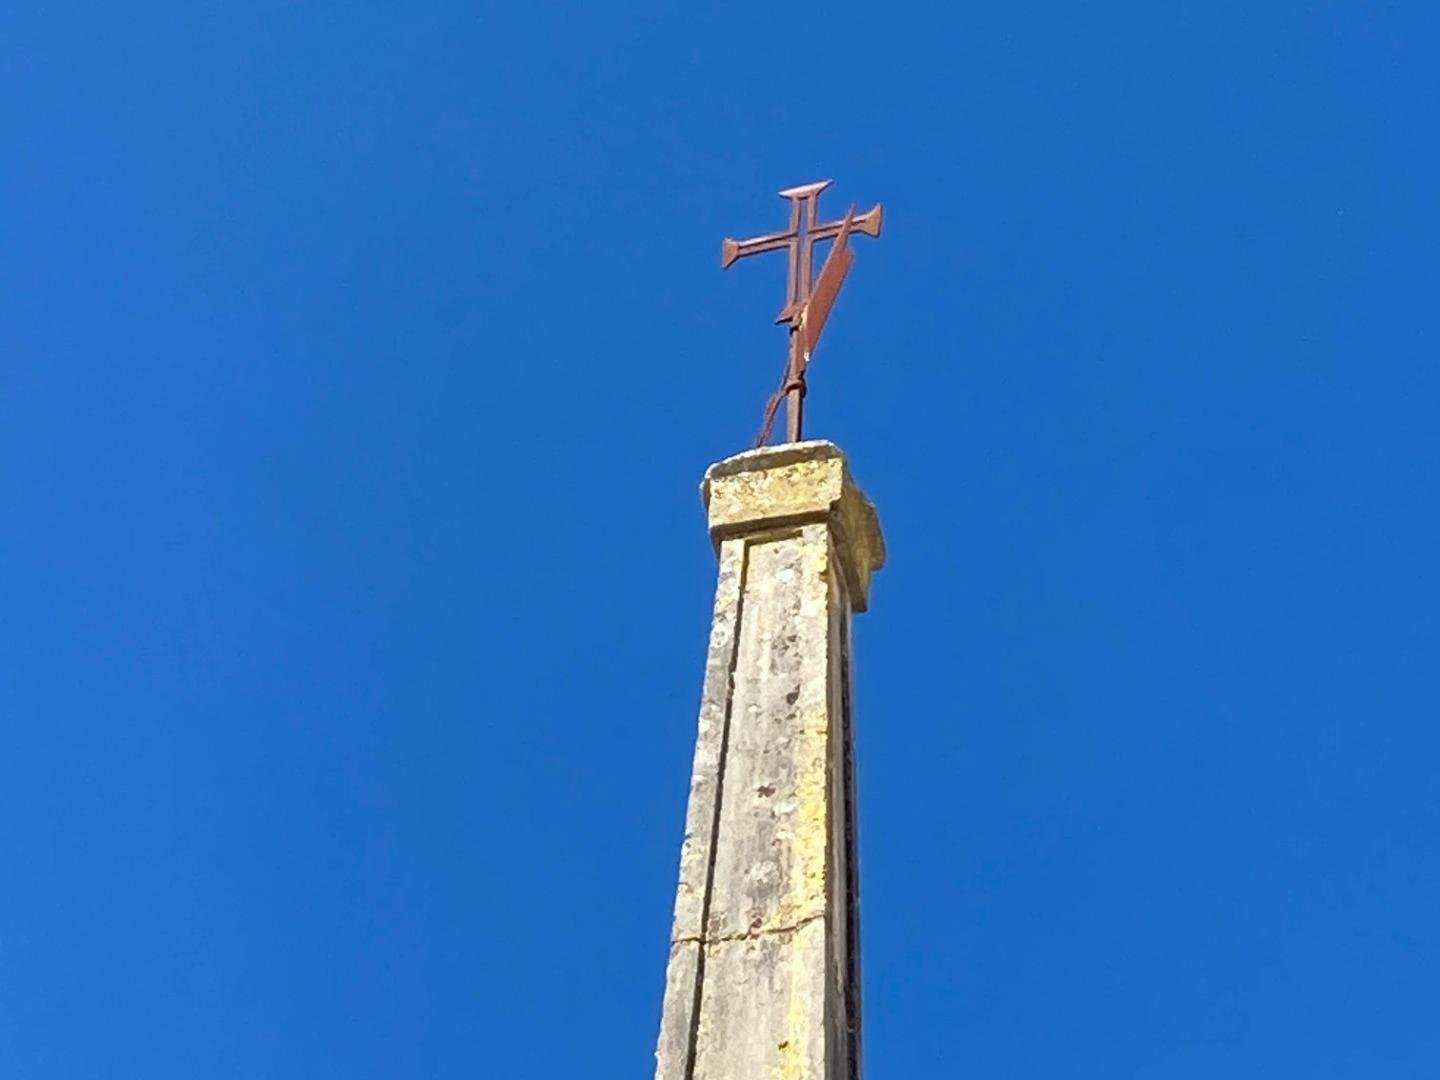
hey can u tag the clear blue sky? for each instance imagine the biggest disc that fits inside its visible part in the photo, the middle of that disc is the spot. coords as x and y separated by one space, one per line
359 366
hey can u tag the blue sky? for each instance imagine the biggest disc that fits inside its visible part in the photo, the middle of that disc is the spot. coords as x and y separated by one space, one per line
359 366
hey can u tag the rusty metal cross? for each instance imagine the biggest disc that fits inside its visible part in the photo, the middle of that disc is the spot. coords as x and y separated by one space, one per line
807 299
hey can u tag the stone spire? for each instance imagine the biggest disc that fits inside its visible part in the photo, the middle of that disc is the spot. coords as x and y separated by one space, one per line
763 977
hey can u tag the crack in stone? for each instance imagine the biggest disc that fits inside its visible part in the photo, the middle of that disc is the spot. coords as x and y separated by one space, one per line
748 935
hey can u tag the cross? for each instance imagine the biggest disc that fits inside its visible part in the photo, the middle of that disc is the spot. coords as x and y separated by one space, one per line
807 299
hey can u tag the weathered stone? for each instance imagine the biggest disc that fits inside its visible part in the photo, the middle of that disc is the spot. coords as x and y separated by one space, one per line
763 980
791 484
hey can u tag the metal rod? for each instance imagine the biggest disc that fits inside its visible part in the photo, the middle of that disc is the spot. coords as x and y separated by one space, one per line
795 391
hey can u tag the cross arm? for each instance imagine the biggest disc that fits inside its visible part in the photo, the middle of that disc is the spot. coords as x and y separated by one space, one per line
868 223
730 250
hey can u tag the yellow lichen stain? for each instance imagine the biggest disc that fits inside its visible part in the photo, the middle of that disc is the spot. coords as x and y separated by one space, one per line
804 900
814 601
800 1018
796 488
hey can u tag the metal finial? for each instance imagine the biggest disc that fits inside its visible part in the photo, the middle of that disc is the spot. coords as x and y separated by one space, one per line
808 299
